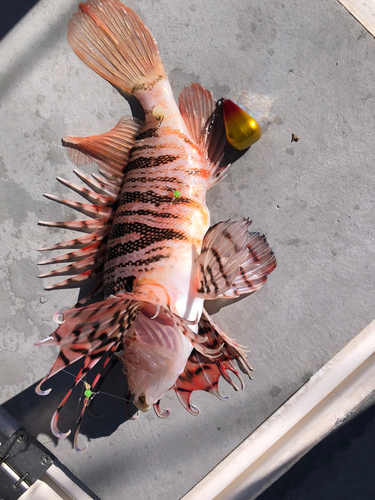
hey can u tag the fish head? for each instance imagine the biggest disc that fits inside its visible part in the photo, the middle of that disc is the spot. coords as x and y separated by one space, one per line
155 353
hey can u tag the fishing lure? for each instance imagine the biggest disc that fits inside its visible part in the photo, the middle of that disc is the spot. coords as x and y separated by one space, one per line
148 240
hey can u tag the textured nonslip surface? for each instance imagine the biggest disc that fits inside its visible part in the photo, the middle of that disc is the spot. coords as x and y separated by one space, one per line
301 67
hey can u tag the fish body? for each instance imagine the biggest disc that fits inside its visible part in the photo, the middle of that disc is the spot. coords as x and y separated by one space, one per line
149 240
157 236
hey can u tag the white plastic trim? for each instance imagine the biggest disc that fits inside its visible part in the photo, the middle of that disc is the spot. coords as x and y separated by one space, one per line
335 391
70 487
363 11
41 491
54 484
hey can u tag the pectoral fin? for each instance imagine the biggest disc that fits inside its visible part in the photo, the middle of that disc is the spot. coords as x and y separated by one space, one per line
92 332
203 374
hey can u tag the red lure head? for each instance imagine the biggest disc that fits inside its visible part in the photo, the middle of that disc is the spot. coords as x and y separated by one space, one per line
241 129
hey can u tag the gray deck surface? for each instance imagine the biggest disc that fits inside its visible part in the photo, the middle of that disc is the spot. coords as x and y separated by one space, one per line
302 67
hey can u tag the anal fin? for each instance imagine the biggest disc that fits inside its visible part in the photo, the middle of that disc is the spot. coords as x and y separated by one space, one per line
203 117
196 107
218 128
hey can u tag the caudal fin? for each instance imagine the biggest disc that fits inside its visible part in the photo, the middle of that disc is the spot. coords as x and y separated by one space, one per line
113 41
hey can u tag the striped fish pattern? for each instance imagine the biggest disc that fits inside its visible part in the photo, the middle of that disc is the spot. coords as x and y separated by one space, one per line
148 240
152 226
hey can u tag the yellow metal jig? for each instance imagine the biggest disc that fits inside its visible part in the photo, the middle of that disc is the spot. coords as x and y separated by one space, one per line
241 129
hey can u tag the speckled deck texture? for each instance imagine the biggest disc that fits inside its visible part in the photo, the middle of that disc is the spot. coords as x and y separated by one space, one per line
303 67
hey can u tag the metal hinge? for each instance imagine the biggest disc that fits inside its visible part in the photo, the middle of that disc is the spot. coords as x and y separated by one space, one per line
22 461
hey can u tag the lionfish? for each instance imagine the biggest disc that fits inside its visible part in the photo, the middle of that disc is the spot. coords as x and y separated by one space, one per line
148 240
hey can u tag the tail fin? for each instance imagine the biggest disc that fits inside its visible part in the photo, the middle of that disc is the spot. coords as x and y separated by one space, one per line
113 41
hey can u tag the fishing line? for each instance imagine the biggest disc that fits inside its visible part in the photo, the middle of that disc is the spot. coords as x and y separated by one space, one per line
89 395
82 381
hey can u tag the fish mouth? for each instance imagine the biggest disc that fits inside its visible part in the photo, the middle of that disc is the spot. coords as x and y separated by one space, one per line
141 403
155 352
